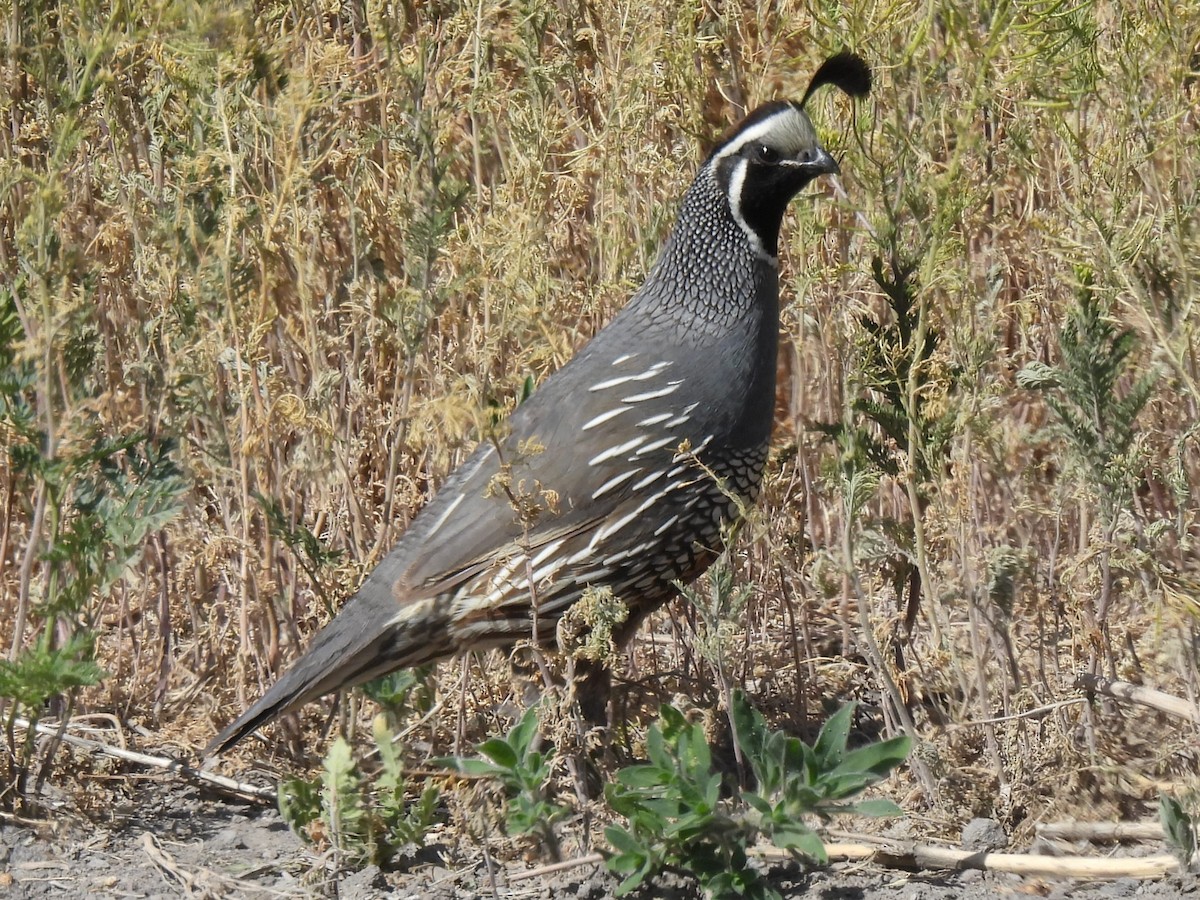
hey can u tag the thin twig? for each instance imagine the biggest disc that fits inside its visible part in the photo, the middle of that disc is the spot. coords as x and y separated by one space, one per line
1135 693
590 859
1036 713
839 191
1106 832
202 883
157 762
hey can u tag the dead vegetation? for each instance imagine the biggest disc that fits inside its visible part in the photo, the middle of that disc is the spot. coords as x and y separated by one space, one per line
305 253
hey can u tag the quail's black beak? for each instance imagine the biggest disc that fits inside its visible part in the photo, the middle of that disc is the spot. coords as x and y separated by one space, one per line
817 161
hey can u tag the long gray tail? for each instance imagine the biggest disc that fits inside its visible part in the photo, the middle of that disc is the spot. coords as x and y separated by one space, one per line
372 636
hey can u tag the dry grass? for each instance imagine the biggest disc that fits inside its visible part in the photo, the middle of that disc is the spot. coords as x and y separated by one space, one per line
317 243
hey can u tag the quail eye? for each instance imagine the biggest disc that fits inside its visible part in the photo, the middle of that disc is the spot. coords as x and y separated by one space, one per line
766 154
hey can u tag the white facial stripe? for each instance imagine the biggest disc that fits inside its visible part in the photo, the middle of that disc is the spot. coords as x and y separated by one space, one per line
752 135
736 180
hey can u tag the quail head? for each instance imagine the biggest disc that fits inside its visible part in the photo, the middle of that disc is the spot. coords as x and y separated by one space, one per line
624 468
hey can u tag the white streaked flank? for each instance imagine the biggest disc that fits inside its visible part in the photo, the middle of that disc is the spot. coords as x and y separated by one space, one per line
604 417
648 480
682 417
652 499
654 370
593 575
581 555
546 552
657 445
617 451
628 554
661 417
690 453
614 481
665 525
611 528
617 557
619 380
551 568
445 515
603 533
672 387
502 577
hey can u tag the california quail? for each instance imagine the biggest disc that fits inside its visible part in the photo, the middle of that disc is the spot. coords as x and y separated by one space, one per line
623 467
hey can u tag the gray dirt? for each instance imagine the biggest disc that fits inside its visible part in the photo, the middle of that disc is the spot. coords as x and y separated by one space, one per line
178 842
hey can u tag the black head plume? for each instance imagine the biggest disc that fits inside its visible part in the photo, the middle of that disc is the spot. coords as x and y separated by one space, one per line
847 70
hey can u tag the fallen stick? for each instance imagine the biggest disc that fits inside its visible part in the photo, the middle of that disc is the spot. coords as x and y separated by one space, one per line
156 762
526 874
927 856
1100 832
1135 693
922 857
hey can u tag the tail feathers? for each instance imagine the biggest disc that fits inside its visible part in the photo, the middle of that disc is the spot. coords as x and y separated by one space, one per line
370 637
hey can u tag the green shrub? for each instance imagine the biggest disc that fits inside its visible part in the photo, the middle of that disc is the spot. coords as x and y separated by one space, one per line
524 772
678 815
367 818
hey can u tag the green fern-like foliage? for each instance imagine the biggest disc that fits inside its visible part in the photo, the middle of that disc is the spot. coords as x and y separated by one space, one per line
900 416
878 435
1084 391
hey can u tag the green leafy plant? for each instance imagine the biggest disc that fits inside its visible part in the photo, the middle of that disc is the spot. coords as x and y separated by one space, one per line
1180 829
402 693
367 818
93 500
1099 421
675 816
1098 418
679 816
311 553
524 772
100 504
795 779
893 354
899 423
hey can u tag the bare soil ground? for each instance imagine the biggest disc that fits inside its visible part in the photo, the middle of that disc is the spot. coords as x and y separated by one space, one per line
177 841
